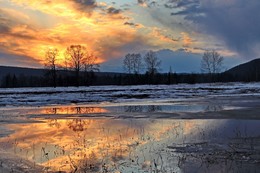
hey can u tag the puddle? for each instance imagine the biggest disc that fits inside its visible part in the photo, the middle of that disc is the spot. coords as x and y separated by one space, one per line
177 108
143 145
162 107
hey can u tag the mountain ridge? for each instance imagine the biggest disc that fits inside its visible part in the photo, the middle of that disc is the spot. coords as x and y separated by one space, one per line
249 71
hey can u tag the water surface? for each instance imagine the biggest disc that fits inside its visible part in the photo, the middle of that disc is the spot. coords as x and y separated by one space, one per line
138 145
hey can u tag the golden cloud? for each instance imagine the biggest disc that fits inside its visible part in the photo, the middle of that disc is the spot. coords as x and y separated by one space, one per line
31 27
101 31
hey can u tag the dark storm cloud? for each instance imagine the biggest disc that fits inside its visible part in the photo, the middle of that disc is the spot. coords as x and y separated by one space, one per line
235 22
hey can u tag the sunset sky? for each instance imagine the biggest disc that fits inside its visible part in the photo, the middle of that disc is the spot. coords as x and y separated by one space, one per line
180 31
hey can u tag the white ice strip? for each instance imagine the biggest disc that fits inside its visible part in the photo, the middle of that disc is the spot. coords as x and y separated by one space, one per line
121 94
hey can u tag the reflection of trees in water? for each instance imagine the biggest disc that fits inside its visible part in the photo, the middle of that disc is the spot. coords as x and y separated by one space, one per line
74 110
149 108
53 123
133 108
166 147
213 108
110 146
154 108
78 125
51 111
78 110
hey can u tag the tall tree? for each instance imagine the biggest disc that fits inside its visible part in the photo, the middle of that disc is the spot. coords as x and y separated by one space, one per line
90 66
128 63
51 64
211 62
76 55
90 63
133 63
137 63
79 59
170 76
152 63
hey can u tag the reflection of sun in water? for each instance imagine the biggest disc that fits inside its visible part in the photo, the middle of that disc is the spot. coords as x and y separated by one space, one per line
64 144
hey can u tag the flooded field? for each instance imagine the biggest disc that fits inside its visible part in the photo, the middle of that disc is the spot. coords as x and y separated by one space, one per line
196 134
136 145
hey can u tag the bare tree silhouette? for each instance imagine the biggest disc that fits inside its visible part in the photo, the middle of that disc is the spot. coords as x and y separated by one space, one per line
128 63
133 63
51 64
79 59
152 64
211 62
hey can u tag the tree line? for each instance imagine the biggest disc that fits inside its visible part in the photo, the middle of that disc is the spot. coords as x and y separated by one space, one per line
80 68
76 59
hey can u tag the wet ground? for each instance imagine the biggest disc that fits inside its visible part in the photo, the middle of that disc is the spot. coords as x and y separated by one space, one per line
130 145
133 137
198 134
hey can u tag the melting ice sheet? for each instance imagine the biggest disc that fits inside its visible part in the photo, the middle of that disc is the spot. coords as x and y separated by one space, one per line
153 109
97 94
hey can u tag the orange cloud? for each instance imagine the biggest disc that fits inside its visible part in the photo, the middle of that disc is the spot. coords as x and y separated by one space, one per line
159 34
100 31
187 40
109 30
31 27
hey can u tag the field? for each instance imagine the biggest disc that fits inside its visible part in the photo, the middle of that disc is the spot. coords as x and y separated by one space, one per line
150 128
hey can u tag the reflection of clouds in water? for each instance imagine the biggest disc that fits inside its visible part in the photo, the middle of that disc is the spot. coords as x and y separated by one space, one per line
239 128
138 143
76 137
125 111
79 138
133 108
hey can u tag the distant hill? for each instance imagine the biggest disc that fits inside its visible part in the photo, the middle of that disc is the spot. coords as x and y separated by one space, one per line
249 71
29 77
5 70
18 71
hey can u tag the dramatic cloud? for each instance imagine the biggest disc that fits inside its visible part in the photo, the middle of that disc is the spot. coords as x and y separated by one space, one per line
112 29
236 22
106 32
